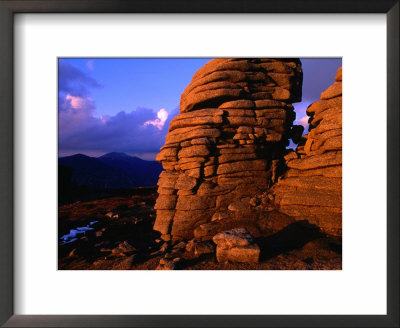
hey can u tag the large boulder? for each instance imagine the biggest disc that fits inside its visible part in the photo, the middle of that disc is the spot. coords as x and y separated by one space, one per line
236 245
311 189
226 145
233 238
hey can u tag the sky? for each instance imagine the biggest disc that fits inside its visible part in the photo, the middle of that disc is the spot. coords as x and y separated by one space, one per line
126 104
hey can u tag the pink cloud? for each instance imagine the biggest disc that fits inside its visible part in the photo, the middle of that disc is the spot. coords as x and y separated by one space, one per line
78 102
76 114
162 116
303 121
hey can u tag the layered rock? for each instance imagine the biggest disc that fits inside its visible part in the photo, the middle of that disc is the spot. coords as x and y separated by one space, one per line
311 189
236 245
226 145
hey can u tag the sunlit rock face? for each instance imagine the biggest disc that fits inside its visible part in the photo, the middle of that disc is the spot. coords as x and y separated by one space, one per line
312 187
226 146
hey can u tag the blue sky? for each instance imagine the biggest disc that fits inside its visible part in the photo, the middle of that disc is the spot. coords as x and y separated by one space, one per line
126 104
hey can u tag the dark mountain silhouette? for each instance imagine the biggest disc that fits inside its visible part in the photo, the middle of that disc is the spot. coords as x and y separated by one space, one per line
144 173
93 173
113 170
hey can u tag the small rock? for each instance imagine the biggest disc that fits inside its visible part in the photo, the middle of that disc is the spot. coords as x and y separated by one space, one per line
166 237
166 264
177 252
176 260
237 207
137 220
164 247
125 264
156 253
203 248
117 252
236 245
72 253
233 238
126 247
244 254
220 216
109 214
197 249
207 230
255 201
180 245
190 246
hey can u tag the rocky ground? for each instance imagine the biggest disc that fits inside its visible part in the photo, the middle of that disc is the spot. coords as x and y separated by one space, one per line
117 233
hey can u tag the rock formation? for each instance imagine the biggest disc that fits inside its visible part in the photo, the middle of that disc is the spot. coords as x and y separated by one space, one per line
311 189
236 245
226 146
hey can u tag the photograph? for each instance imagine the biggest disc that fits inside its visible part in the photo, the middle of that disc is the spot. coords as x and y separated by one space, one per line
199 146
199 163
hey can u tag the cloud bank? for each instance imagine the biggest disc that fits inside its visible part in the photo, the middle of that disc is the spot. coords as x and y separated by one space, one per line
139 132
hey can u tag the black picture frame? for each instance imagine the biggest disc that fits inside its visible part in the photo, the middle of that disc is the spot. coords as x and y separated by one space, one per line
10 7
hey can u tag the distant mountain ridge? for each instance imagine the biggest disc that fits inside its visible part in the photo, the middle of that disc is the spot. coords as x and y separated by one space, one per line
112 170
144 173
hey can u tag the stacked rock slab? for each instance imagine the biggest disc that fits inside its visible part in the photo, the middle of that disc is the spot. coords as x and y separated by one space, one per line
236 245
226 144
312 187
